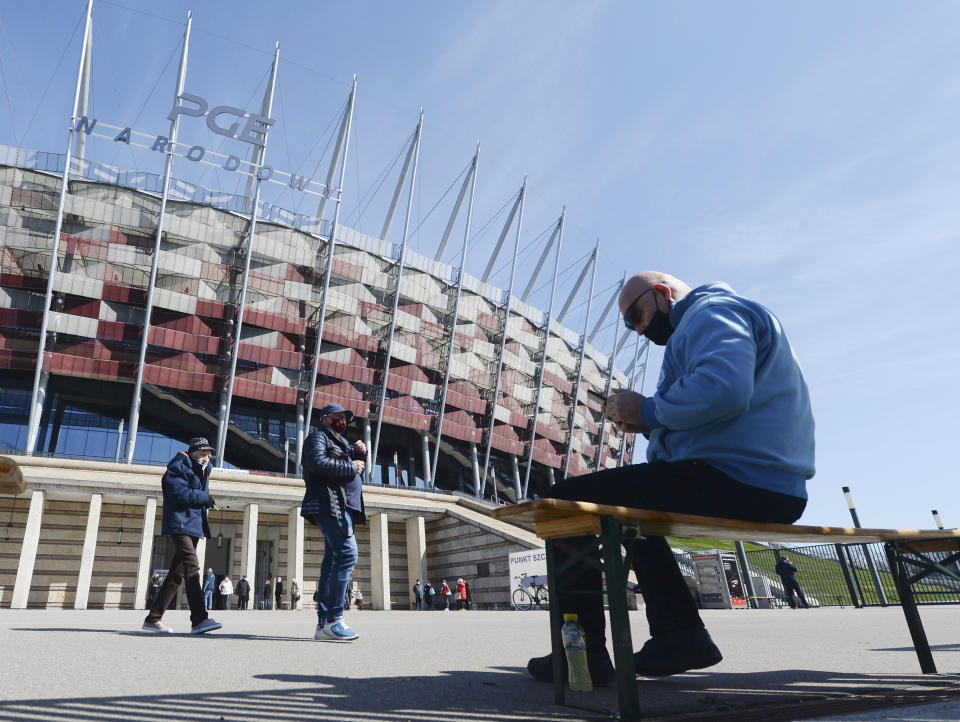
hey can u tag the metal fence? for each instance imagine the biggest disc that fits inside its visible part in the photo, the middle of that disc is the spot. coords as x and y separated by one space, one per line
856 575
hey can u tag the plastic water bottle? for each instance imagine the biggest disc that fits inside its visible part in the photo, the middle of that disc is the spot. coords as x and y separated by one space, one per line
575 647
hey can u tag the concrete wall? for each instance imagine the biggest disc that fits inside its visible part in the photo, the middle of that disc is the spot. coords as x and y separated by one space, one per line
458 548
462 540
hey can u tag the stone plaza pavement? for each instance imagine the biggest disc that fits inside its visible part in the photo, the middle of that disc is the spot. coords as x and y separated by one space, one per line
779 665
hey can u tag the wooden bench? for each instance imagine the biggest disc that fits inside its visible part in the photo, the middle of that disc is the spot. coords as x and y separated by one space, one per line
555 519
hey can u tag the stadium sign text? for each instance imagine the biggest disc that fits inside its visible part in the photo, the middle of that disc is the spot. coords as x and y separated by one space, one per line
224 120
254 131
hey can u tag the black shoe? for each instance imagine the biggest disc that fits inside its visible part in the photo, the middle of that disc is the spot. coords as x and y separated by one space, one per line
601 668
676 652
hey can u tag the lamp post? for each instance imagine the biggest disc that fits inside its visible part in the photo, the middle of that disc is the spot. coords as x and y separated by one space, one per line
851 506
937 519
866 550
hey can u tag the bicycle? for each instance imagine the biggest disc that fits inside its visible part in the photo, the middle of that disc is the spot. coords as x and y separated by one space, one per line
524 599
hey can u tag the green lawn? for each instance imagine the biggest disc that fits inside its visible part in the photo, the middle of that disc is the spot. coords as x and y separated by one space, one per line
698 544
821 578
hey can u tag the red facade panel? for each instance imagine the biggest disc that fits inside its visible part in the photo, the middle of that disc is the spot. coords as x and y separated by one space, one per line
15 318
212 309
345 269
119 293
508 446
345 371
560 384
16 279
174 378
461 432
270 356
467 403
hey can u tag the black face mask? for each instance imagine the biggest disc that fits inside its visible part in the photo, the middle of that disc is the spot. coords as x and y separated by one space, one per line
339 425
659 329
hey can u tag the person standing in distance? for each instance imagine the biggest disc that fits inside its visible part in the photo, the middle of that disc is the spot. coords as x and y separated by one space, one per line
731 434
243 592
186 498
226 591
333 502
788 577
209 582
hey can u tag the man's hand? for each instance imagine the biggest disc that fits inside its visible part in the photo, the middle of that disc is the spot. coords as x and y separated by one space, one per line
359 448
623 409
358 466
211 502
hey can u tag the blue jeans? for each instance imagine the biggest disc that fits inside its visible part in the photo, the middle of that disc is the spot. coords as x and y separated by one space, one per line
208 600
339 557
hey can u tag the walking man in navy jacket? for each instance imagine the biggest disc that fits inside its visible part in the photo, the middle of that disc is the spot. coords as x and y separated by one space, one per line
334 502
185 502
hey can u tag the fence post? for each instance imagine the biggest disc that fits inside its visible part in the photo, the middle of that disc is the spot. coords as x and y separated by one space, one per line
876 577
747 581
848 578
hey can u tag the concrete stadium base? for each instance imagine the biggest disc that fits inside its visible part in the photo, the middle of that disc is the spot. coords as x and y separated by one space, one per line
263 665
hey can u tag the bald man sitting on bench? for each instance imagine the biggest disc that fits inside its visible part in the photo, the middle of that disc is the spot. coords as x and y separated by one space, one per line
730 434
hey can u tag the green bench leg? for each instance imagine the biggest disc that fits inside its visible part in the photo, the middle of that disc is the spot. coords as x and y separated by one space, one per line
556 623
909 605
615 574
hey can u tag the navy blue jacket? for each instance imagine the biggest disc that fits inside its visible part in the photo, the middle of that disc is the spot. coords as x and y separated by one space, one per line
185 497
330 478
785 569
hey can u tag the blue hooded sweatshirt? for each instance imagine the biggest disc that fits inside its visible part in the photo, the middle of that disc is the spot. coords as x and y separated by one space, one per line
731 393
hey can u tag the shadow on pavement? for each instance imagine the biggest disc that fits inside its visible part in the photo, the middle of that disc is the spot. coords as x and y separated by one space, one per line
933 647
217 634
492 695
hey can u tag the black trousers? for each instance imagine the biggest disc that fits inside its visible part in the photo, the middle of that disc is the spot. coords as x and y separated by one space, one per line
689 487
242 602
789 587
185 567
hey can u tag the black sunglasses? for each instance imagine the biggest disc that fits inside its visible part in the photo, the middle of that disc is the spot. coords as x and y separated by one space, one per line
630 315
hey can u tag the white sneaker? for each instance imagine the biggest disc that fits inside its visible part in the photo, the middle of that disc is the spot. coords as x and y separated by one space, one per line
338 631
207 625
157 626
318 635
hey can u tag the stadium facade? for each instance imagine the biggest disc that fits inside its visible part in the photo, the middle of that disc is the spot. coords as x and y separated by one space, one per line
121 295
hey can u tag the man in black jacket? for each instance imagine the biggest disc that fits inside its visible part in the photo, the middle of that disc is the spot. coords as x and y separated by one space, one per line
243 592
788 577
185 502
333 502
417 596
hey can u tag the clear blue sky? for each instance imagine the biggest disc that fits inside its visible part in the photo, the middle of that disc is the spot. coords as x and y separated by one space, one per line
805 153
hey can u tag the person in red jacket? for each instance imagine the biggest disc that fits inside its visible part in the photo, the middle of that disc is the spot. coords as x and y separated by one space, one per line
461 594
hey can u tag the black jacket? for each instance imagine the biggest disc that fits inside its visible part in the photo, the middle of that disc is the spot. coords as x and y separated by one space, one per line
786 570
243 588
185 497
327 471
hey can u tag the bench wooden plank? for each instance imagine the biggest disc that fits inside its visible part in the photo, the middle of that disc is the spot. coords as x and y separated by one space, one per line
559 512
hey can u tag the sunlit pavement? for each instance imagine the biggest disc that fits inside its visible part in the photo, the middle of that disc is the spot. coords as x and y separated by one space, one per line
264 665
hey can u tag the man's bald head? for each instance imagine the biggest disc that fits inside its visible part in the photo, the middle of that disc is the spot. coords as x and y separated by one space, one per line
663 284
